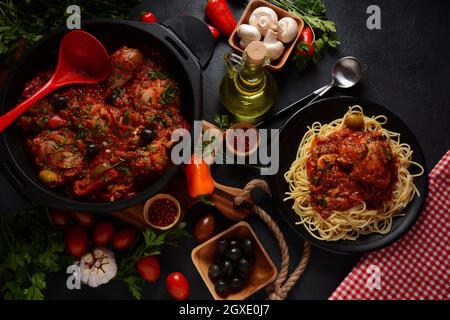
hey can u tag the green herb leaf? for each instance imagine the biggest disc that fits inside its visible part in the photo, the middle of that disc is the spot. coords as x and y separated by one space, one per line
168 95
313 13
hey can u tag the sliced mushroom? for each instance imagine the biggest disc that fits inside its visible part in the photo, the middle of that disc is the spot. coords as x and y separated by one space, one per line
263 18
287 29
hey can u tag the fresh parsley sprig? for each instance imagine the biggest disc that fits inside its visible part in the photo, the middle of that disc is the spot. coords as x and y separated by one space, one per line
313 13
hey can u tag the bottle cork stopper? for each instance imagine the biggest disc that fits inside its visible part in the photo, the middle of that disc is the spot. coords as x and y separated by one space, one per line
256 52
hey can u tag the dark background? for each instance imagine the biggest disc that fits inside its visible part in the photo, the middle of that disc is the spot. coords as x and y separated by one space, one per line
406 66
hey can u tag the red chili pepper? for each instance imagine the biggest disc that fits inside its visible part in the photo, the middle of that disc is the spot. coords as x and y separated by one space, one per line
148 17
306 38
215 33
56 122
199 179
218 12
81 189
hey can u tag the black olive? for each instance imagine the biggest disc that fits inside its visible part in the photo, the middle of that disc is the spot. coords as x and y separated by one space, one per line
244 265
222 246
92 149
227 268
218 259
60 102
147 135
214 272
234 243
234 253
236 284
222 287
247 246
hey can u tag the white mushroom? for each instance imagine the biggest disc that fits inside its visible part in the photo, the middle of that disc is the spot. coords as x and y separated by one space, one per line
263 18
98 267
247 34
274 47
287 29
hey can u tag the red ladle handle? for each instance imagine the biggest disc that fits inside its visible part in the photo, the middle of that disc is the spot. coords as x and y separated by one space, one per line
13 114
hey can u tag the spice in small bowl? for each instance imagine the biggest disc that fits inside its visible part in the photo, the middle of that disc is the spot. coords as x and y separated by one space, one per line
162 211
242 139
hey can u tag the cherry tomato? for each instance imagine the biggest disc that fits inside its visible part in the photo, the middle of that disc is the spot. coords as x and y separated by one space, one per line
124 237
204 229
103 233
148 268
215 33
177 286
307 37
76 240
83 218
148 17
59 218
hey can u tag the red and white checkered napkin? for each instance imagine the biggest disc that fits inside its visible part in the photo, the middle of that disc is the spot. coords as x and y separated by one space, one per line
418 265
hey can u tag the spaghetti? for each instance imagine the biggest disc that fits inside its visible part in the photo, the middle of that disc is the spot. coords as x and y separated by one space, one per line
347 182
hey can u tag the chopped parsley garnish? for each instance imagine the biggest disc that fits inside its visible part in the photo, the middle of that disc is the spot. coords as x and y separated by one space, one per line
43 120
124 170
80 135
158 75
168 95
158 119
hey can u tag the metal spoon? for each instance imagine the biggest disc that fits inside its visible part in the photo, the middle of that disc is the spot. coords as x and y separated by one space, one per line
346 73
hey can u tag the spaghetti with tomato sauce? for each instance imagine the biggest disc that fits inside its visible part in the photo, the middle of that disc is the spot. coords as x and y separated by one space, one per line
350 177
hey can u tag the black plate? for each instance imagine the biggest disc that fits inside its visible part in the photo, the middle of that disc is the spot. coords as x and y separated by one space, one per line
326 111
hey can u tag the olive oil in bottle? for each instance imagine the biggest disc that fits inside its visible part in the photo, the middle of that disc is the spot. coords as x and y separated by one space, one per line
249 90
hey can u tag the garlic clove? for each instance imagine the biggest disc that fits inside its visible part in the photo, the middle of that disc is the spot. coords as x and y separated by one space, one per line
275 48
263 18
247 34
287 29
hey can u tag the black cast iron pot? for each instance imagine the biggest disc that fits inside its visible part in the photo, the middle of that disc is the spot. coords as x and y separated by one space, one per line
186 41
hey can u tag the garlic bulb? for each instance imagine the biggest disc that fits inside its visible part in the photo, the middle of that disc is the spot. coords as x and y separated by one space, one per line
98 267
274 47
247 34
263 18
287 29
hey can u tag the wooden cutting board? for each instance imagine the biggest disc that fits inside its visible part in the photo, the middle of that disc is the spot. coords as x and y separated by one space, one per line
222 198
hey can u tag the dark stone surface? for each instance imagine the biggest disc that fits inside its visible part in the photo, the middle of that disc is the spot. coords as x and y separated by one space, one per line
406 69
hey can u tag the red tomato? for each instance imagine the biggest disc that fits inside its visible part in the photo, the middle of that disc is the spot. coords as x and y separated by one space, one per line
76 240
56 122
83 218
307 37
59 218
148 17
103 233
177 286
148 268
215 33
124 237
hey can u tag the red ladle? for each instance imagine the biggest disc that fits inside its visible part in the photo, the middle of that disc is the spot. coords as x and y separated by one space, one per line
82 60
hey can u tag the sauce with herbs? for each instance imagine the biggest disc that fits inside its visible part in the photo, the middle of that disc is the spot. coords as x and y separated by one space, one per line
348 167
108 141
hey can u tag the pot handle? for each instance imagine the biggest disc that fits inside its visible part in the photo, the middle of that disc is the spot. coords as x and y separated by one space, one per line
196 36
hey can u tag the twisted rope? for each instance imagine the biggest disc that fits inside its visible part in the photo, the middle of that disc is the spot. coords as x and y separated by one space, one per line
280 288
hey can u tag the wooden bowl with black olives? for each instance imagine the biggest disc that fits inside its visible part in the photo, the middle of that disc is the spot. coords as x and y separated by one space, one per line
234 264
